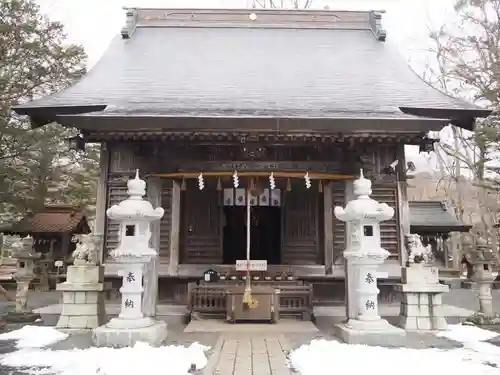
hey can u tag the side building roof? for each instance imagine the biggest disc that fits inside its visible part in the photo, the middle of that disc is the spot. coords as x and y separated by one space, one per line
432 217
251 63
55 219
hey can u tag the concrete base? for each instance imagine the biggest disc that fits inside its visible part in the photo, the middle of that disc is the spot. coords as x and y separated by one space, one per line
422 323
154 335
370 333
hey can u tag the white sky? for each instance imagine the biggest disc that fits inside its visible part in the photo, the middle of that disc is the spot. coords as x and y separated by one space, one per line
93 23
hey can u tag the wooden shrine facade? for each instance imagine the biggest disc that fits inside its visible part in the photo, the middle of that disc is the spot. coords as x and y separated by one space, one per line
191 236
181 92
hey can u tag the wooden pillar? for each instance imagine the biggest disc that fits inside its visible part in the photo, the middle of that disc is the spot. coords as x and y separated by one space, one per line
446 250
173 264
328 227
102 192
403 207
350 276
154 186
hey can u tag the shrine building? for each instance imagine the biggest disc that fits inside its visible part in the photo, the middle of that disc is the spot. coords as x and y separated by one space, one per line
290 104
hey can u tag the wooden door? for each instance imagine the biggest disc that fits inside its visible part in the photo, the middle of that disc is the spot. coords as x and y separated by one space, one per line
202 235
301 243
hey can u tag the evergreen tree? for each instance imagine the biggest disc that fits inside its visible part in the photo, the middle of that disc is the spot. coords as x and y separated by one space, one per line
36 167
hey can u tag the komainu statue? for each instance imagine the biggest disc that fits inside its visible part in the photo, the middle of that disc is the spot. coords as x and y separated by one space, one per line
417 252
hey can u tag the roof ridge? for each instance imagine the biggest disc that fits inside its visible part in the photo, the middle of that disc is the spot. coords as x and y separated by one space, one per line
254 18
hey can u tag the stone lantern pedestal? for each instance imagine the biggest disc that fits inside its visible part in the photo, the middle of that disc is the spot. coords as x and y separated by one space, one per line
363 256
25 273
132 254
421 305
83 304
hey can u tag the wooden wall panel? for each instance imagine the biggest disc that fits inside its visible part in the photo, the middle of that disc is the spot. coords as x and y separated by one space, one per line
339 230
300 240
116 193
166 221
388 229
201 229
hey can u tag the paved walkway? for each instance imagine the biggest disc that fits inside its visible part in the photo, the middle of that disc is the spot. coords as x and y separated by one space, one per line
243 354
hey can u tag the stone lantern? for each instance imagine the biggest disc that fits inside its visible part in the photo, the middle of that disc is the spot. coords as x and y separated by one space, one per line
25 273
364 255
134 215
482 260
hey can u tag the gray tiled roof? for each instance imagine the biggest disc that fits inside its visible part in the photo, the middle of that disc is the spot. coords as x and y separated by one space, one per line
209 71
434 216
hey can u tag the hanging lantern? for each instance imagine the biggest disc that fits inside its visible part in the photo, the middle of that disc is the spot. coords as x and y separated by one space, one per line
307 180
183 184
219 184
201 183
76 143
288 185
320 186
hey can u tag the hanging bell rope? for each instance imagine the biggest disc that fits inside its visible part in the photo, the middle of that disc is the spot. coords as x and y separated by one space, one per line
183 184
320 186
219 184
288 185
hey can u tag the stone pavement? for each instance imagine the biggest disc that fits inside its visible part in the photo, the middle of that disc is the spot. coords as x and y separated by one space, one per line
246 354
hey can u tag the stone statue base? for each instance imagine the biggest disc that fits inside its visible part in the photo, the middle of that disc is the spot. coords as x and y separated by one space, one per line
377 332
83 305
421 305
111 336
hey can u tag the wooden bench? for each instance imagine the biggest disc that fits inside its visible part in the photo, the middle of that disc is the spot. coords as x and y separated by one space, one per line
209 300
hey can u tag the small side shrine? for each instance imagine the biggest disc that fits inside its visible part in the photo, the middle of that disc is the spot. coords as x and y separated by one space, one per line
434 222
52 229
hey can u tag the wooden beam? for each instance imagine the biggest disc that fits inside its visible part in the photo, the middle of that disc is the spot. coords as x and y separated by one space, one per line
328 227
403 207
278 174
154 186
173 264
101 201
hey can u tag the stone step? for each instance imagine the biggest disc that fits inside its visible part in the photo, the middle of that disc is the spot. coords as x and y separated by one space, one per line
172 314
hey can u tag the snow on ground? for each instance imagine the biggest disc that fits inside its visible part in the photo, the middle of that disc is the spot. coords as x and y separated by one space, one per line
476 357
141 359
34 336
467 333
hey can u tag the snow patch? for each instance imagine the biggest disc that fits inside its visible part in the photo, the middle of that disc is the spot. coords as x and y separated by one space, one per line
140 359
467 333
332 357
34 336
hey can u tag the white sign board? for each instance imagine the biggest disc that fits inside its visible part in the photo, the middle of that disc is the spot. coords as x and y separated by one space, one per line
252 265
